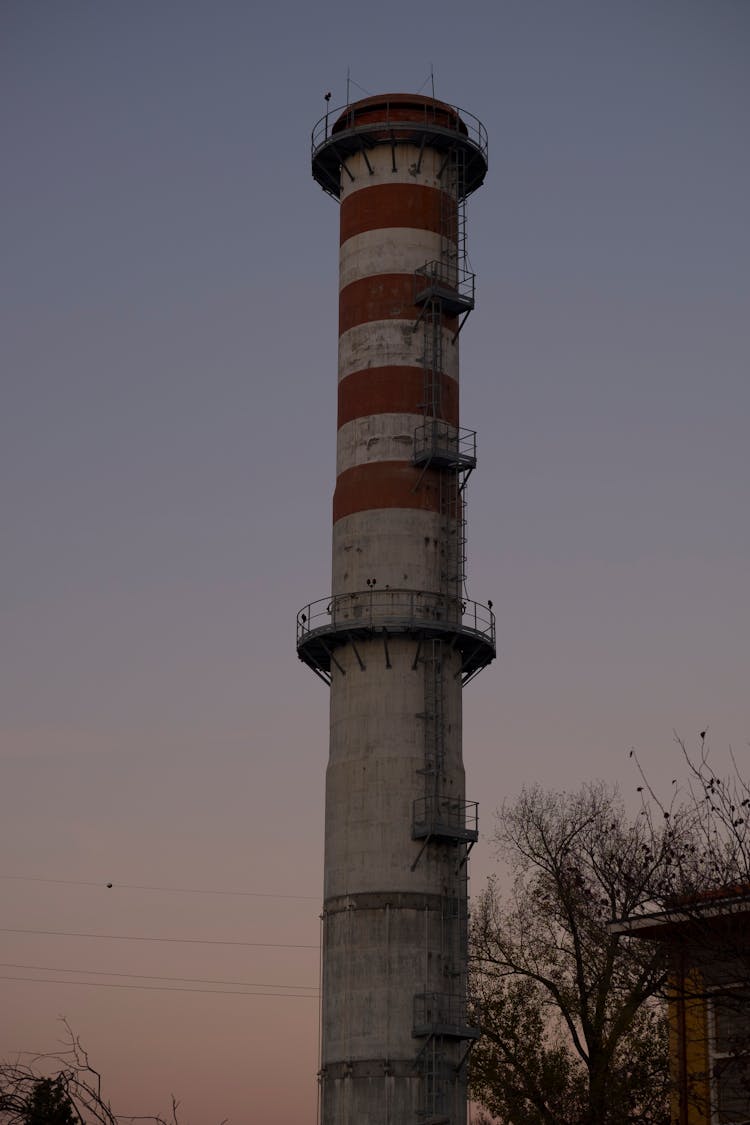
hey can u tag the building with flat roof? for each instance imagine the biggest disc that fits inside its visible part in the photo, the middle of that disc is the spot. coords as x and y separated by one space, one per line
708 939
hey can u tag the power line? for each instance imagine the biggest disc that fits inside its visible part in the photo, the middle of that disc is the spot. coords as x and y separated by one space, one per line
163 988
151 976
139 937
148 887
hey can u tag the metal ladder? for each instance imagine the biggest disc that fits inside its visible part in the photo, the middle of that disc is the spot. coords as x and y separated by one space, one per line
453 520
432 358
438 1075
433 715
434 1069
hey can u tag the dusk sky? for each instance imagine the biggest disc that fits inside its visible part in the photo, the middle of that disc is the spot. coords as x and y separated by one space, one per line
168 297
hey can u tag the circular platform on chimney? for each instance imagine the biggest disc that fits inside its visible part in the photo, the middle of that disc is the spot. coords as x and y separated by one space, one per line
397 119
326 624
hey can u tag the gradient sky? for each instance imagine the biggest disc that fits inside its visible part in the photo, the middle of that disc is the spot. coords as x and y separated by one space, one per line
168 295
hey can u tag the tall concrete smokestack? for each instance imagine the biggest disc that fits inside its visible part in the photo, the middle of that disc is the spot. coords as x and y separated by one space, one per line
397 638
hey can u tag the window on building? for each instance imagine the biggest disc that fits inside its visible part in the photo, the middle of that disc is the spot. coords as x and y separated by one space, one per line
731 1056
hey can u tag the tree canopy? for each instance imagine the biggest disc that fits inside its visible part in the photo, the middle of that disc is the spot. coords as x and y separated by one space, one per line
49 1104
574 1032
62 1089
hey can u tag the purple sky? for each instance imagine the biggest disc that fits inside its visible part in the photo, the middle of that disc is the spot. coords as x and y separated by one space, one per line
168 295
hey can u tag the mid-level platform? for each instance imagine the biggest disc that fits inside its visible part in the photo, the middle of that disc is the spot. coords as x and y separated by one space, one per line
326 624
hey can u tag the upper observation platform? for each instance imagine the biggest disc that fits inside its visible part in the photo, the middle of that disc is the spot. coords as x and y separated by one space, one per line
398 119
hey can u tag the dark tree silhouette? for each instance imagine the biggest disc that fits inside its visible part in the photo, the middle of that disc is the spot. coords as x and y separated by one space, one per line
49 1104
701 913
574 1028
63 1089
715 852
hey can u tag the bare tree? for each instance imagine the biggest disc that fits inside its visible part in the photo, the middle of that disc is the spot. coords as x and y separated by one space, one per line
701 912
715 854
574 1031
62 1088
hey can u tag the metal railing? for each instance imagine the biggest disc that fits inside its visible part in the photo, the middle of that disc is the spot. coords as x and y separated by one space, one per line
441 1013
447 817
396 609
464 125
384 121
445 280
440 441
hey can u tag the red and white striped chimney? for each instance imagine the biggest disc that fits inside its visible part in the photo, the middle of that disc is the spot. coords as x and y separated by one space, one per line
398 638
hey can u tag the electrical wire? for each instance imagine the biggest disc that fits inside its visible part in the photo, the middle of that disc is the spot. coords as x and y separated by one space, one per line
148 887
179 940
163 988
150 976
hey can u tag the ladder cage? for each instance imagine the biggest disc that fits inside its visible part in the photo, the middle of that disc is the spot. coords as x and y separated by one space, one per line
433 714
446 281
445 817
436 1080
443 445
442 1014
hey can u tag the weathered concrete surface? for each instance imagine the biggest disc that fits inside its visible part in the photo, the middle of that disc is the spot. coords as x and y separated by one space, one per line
384 343
393 250
406 169
390 932
377 437
377 751
380 544
394 914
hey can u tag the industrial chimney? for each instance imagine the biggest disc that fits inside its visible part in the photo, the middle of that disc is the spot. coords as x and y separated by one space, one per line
397 638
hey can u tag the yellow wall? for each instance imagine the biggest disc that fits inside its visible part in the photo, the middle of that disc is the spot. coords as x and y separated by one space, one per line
688 1039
